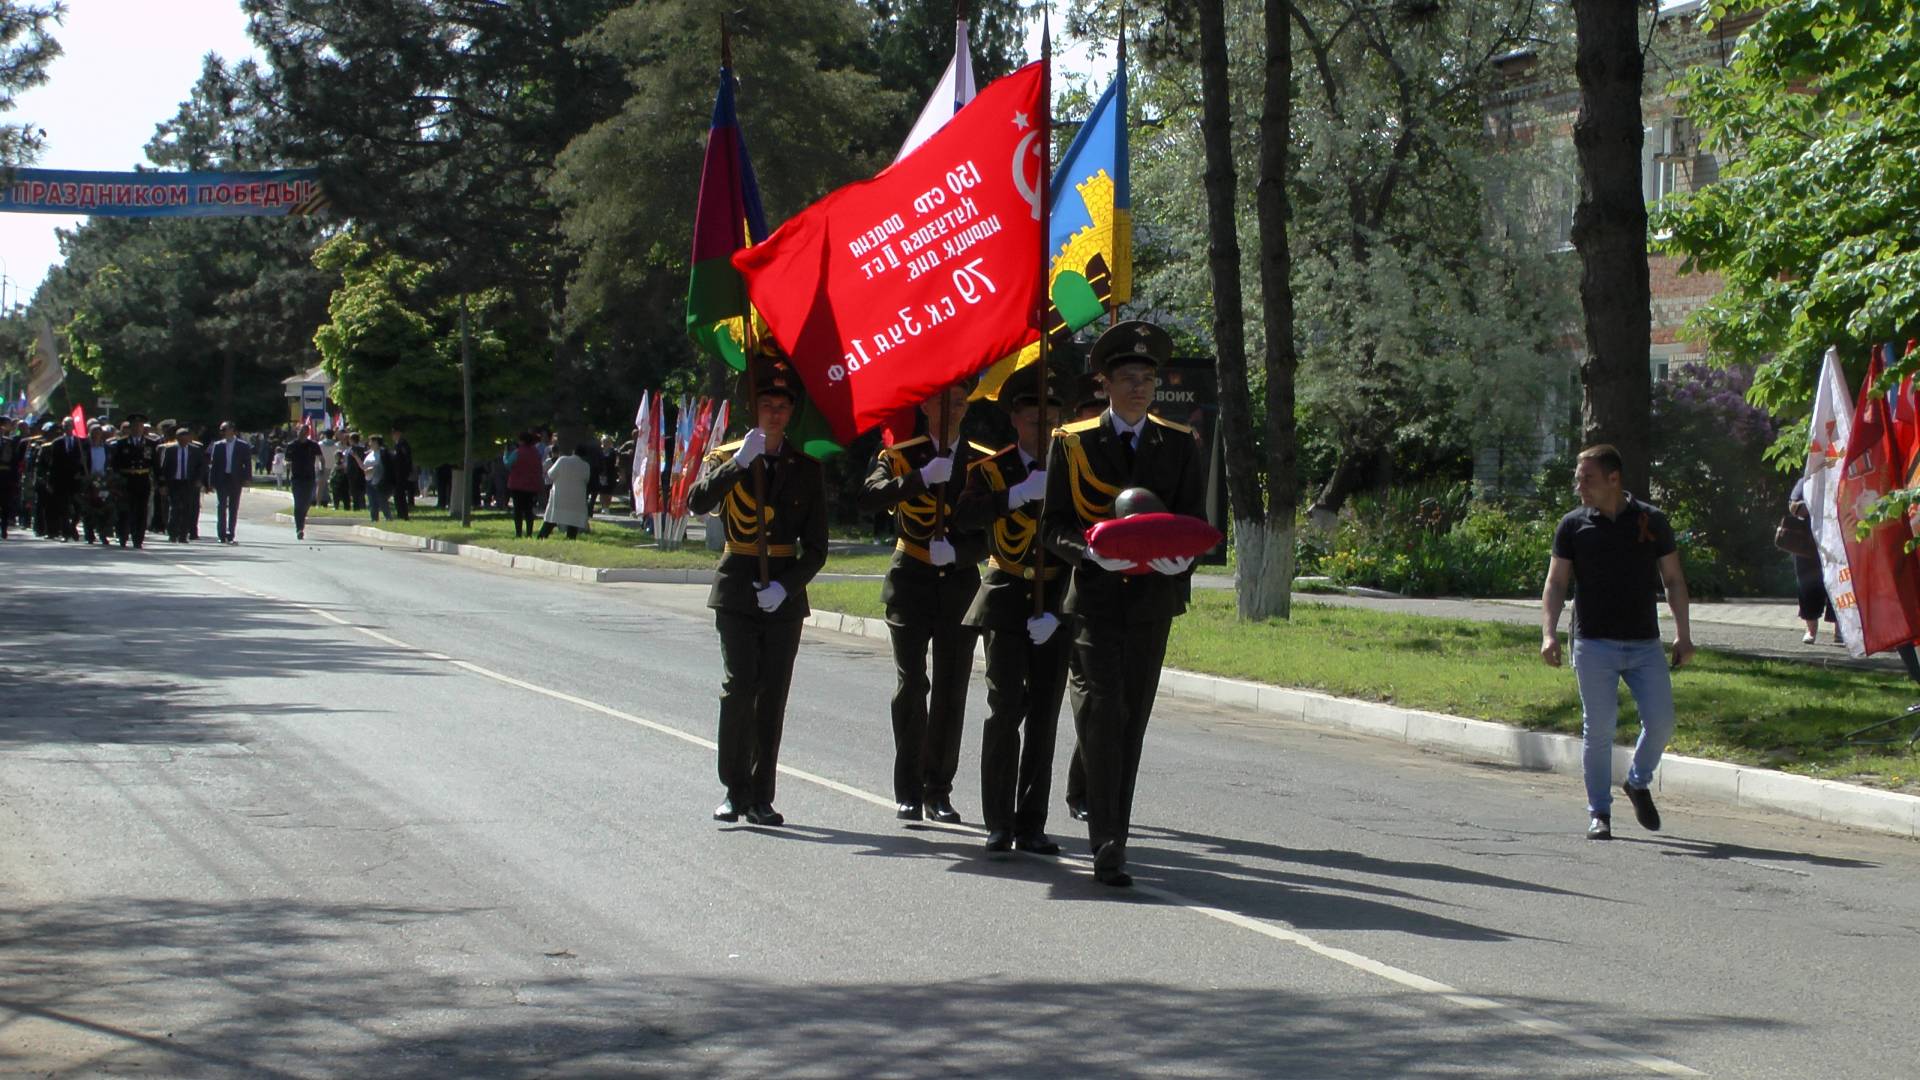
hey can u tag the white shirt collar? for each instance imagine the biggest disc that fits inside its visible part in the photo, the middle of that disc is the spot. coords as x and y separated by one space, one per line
1121 426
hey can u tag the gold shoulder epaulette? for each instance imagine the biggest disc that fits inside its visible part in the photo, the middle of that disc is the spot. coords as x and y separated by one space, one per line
1173 424
915 441
1080 426
726 448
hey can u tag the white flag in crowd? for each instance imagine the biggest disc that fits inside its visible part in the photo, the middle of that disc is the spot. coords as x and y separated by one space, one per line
955 90
1826 450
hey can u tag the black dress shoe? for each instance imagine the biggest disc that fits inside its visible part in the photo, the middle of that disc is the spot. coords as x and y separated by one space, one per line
942 811
1109 864
999 840
765 814
726 812
1037 843
1600 827
908 811
1077 811
1644 811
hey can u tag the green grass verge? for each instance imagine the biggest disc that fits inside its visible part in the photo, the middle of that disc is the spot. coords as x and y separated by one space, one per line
606 546
1731 708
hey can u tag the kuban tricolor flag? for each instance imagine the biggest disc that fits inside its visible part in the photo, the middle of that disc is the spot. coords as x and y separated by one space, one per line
892 288
727 218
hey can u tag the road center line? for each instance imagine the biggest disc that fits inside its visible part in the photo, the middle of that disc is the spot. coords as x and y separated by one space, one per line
1399 976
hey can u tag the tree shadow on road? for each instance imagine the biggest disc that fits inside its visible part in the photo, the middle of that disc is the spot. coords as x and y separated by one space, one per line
279 988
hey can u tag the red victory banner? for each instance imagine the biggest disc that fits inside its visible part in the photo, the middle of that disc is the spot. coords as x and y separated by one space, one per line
1886 579
891 288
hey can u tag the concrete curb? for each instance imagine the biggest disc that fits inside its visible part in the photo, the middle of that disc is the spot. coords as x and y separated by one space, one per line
1482 740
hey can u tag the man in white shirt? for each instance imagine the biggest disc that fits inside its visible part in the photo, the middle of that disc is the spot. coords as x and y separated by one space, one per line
229 468
330 453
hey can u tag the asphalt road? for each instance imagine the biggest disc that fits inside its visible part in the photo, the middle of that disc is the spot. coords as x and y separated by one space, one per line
329 809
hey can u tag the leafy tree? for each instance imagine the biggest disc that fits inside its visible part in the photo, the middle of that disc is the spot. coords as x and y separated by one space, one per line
436 124
391 344
1707 470
1811 225
27 46
198 319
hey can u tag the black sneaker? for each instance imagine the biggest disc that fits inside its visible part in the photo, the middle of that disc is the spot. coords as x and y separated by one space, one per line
1600 827
1643 809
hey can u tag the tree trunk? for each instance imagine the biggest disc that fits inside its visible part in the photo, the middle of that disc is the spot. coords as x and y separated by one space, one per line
1610 232
1265 565
1247 507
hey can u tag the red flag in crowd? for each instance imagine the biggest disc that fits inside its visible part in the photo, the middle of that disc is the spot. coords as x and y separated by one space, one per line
891 288
1905 408
79 420
1886 579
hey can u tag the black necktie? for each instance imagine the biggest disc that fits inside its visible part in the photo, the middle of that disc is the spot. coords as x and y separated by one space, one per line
1126 447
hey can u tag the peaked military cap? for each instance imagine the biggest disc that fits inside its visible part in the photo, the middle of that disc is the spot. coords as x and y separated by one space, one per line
1135 341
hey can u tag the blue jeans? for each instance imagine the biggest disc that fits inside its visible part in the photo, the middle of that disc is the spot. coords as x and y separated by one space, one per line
1599 665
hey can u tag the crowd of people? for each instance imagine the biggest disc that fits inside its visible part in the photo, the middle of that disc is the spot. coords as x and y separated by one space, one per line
116 482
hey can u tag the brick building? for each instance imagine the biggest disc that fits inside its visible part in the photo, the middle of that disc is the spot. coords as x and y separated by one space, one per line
1539 101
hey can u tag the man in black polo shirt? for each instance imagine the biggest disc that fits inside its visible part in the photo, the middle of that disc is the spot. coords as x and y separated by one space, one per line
1612 551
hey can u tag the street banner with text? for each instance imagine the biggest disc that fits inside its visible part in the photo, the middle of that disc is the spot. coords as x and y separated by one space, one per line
891 288
280 193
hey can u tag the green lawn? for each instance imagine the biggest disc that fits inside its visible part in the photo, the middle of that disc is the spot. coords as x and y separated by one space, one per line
606 546
1731 708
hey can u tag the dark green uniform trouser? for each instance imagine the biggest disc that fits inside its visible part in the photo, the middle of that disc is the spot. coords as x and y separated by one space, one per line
929 712
1024 686
756 656
1113 689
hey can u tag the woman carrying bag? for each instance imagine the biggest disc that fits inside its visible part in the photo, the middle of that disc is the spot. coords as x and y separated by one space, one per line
1794 535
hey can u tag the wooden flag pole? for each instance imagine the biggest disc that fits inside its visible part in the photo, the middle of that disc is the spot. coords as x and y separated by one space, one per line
1040 301
750 344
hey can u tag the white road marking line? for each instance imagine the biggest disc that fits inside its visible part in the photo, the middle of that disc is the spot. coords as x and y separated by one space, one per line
1540 1025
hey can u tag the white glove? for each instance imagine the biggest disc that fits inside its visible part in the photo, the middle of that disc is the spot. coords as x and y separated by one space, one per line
771 597
941 552
1026 491
1041 627
937 471
1110 565
1171 567
751 448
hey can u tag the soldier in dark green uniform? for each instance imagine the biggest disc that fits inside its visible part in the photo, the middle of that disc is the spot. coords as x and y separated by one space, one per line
1120 621
1026 648
134 457
928 589
1089 401
760 625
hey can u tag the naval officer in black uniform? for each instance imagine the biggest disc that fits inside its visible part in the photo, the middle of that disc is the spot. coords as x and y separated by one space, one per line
760 625
1120 621
135 457
1025 645
928 589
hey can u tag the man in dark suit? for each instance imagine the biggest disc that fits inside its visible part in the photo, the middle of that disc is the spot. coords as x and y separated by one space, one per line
405 478
1120 621
229 470
305 462
927 591
13 465
135 458
1026 648
183 467
66 472
760 626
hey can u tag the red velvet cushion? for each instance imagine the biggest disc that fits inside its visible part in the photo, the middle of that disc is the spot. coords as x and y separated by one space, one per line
1152 536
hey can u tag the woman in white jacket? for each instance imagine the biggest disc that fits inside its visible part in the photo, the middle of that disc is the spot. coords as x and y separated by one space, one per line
567 477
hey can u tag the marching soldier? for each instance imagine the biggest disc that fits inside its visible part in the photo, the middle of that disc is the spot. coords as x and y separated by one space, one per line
1089 401
1120 621
928 589
760 626
1026 650
134 457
